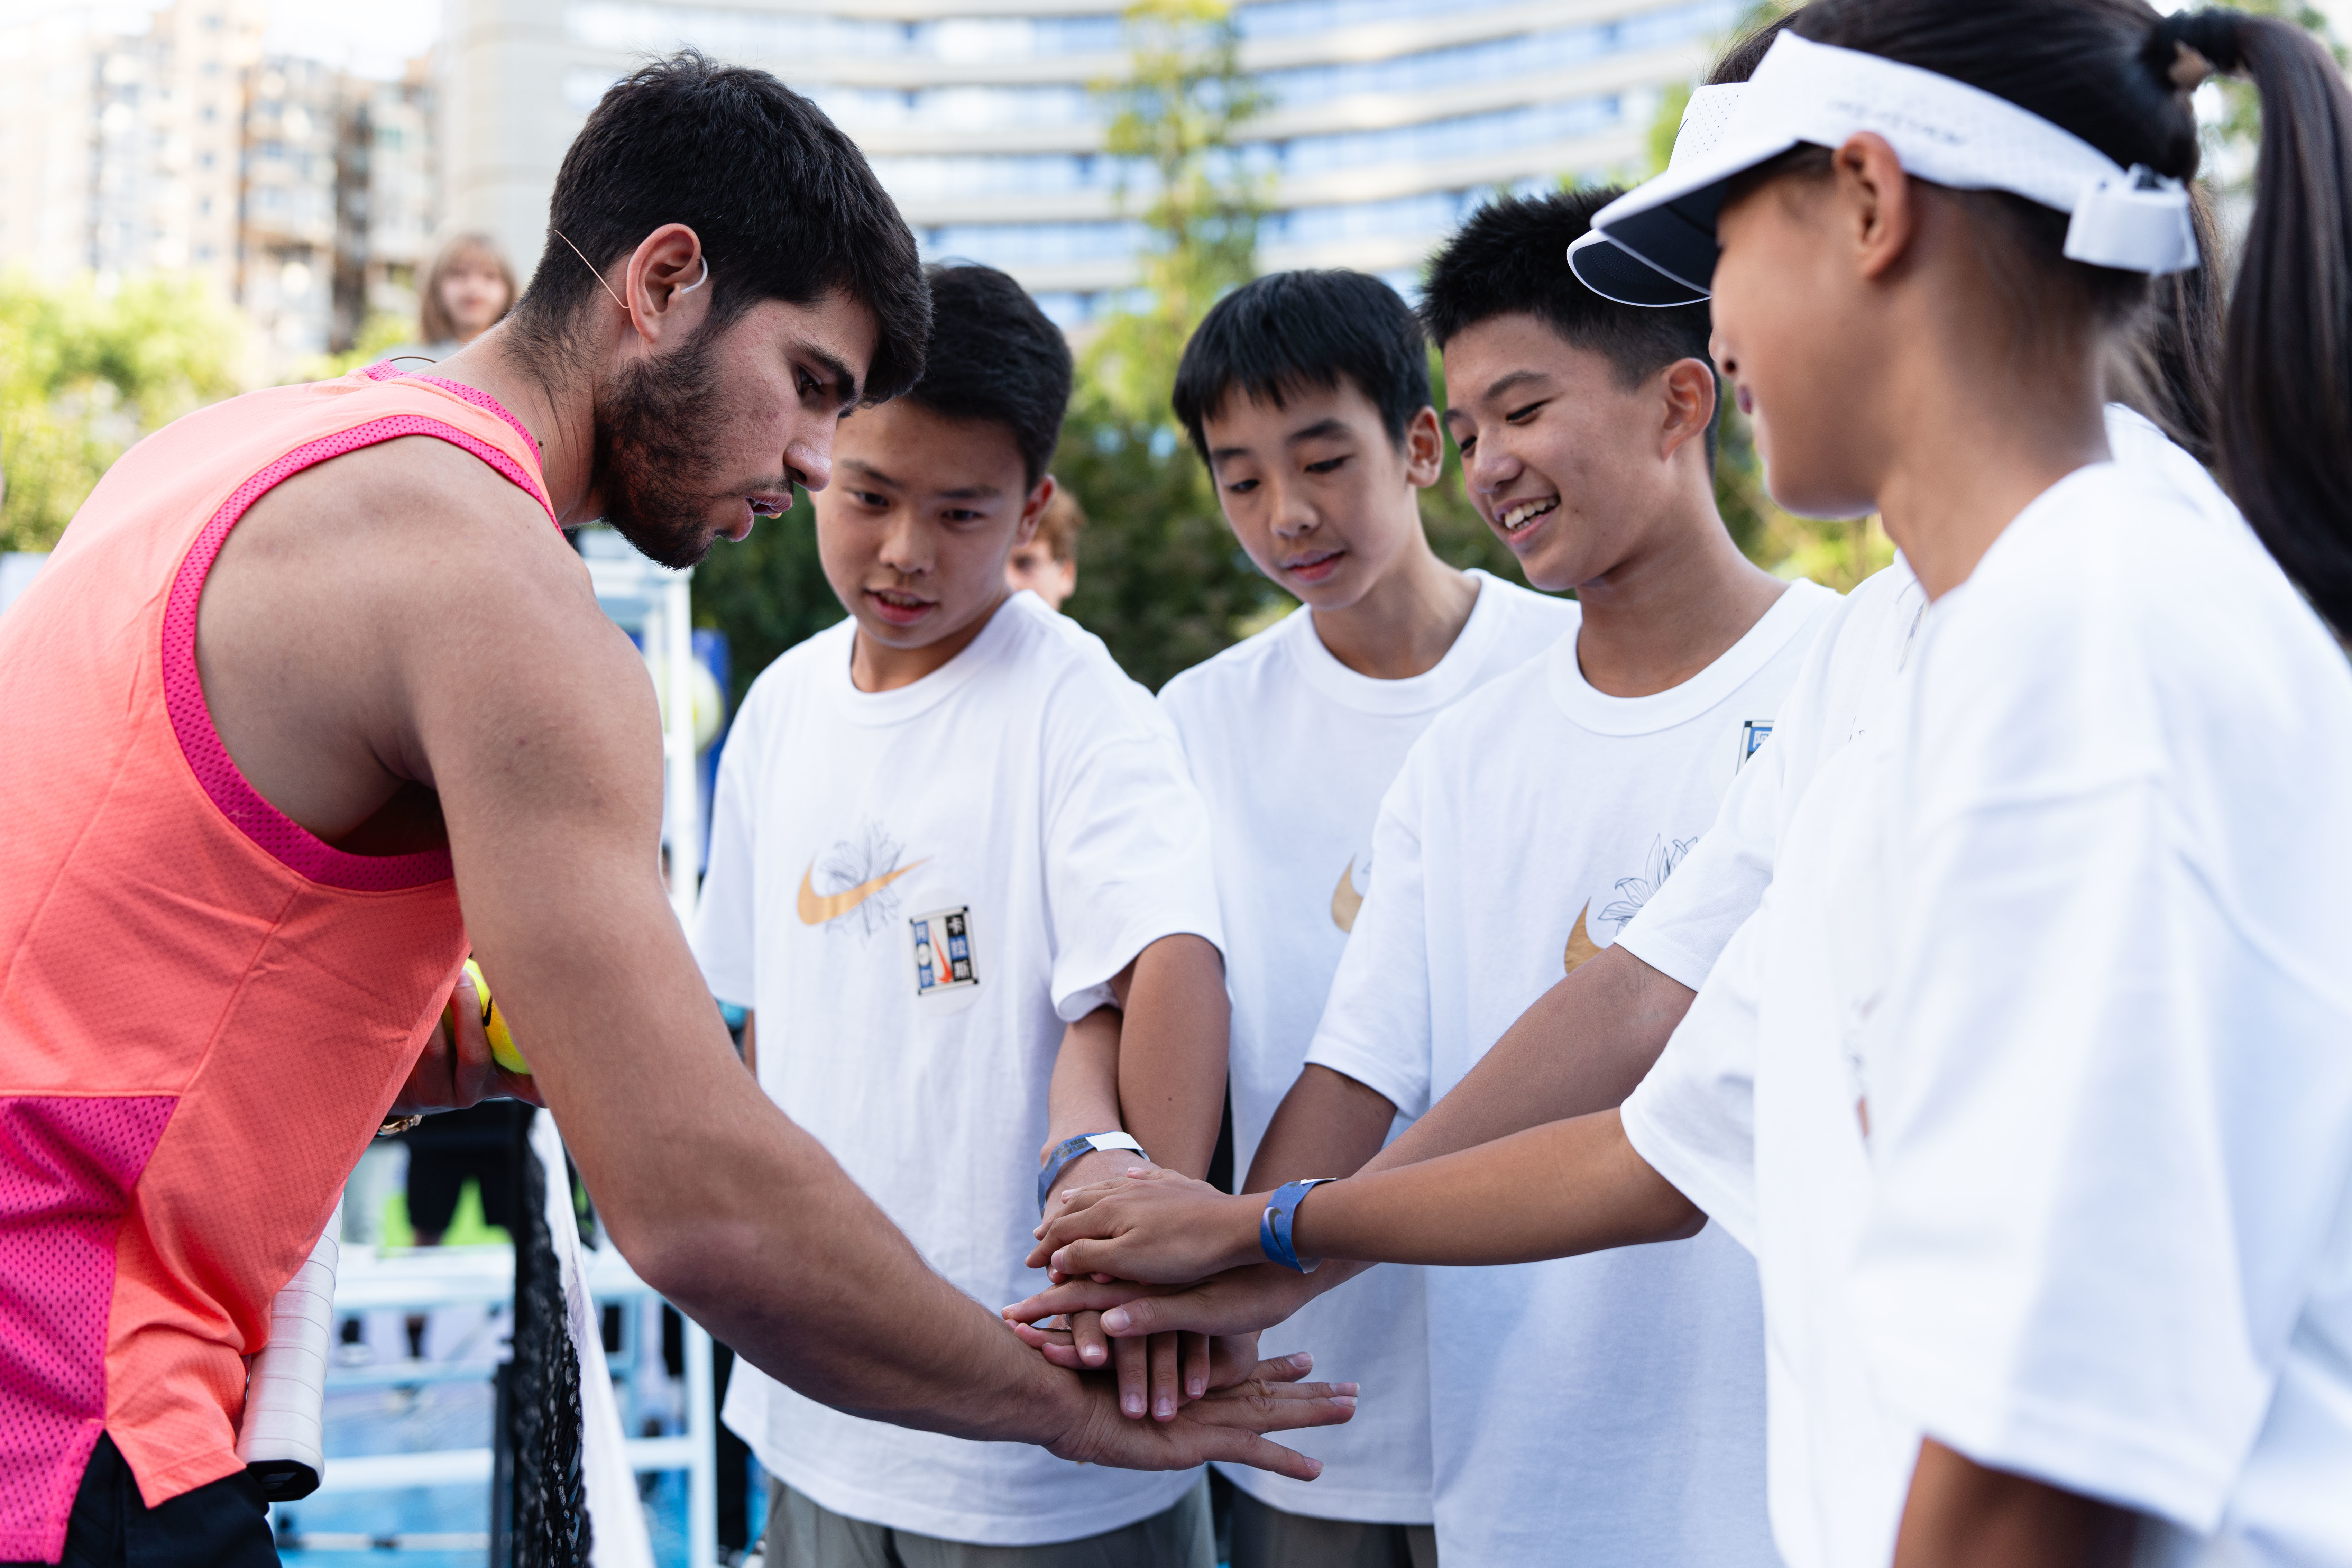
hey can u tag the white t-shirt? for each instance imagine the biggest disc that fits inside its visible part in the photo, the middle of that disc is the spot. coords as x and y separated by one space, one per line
1849 677
916 889
2067 922
1293 750
1608 1407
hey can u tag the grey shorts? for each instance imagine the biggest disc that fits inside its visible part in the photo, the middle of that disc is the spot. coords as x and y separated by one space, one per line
1266 1537
802 1534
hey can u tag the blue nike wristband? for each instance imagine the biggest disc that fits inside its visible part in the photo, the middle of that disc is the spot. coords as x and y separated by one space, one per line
1273 1226
1071 1149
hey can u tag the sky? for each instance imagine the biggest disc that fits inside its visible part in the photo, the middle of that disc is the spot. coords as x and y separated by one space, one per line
373 38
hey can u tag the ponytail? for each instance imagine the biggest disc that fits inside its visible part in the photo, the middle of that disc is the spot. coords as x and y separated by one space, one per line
2283 416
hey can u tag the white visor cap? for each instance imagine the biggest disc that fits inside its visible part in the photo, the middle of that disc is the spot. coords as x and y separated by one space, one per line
1612 271
1943 131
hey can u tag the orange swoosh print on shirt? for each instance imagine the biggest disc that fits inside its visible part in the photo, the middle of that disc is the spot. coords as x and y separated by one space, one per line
1345 900
818 908
1581 948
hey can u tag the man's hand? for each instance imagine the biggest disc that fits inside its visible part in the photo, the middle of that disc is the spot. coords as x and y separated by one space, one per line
1158 1228
1225 1424
1239 1302
453 1074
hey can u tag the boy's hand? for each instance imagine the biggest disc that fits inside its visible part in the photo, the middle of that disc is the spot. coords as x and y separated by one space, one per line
1150 1226
453 1074
1225 1424
1239 1302
1159 1373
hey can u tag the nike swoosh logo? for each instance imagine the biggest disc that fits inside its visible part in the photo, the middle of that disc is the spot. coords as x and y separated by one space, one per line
818 908
1345 900
1581 949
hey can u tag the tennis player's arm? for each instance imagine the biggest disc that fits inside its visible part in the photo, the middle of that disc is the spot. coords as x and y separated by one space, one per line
549 777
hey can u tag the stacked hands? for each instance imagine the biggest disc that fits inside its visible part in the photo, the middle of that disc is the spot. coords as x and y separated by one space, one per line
1161 1277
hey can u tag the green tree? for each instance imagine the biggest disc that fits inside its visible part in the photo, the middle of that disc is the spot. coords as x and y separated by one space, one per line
1161 580
83 376
766 593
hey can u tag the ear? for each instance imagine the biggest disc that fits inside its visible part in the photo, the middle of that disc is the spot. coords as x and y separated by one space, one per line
1424 449
1878 206
664 284
1032 509
1688 385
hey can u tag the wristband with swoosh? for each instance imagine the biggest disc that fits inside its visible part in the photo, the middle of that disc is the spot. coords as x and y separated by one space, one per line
1071 1149
1273 1224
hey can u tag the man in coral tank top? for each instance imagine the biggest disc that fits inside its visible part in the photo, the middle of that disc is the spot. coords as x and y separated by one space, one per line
313 669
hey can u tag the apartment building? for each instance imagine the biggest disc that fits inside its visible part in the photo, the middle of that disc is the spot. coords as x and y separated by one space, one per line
1387 119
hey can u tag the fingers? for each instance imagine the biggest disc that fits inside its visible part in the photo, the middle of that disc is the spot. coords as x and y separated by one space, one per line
1249 1448
1131 1359
1075 1295
1285 1369
1054 1344
1193 1349
1080 1257
1161 1349
1087 1334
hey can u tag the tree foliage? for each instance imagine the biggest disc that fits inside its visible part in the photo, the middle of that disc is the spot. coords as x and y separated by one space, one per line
83 375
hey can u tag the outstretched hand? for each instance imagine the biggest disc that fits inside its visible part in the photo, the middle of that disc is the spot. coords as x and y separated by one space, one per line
458 1072
1227 1423
1238 1301
1155 1226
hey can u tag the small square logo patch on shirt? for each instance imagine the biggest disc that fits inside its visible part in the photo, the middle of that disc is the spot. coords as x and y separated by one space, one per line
1752 736
944 958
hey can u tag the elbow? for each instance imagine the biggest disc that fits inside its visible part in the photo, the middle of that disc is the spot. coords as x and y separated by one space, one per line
685 1261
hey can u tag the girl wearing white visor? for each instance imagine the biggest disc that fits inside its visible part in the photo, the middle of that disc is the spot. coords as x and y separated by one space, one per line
2043 1140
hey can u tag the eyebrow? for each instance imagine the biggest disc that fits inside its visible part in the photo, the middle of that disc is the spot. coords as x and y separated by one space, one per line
868 470
1320 430
1502 384
971 492
835 369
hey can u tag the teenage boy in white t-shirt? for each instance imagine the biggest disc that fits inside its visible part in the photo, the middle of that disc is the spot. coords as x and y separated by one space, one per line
1611 1407
1307 396
944 830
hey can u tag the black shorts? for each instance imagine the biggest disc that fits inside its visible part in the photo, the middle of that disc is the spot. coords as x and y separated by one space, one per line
447 1150
221 1524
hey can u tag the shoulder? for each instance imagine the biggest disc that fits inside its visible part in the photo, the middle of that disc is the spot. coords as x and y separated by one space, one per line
1524 609
1231 674
1504 707
789 675
1048 658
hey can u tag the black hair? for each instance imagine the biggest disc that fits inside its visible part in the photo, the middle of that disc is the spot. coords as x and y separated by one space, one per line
1280 334
783 202
995 356
1511 258
2169 366
2117 75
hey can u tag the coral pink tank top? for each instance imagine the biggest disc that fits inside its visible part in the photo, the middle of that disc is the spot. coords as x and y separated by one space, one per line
205 1011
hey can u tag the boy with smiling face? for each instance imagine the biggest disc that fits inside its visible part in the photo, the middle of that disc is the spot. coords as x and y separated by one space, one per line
947 832
1307 394
1609 1407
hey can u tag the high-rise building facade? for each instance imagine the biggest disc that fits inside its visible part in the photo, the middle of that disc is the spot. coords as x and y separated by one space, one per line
1386 118
171 143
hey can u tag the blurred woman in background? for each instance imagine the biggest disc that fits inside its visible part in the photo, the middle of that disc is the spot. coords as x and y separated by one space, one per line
471 285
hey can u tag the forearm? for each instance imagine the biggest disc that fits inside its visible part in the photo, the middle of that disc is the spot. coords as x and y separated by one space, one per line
1083 1095
1174 1034
1582 1048
1328 1125
1962 1515
1558 1191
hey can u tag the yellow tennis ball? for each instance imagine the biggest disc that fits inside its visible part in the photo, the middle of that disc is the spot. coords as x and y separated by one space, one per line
494 1024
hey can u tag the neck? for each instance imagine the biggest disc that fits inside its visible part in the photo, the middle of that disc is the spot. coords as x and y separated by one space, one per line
558 409
1672 607
1975 452
1403 625
878 667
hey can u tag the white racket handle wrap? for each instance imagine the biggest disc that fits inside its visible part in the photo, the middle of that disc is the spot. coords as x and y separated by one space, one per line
282 1438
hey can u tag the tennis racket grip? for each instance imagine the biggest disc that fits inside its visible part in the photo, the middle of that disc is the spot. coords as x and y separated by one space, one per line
282 1437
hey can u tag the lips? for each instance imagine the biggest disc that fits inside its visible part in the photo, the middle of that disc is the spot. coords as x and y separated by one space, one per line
1521 515
897 609
1313 568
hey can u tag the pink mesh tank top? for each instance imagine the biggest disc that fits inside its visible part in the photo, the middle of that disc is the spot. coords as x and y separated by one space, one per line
205 1010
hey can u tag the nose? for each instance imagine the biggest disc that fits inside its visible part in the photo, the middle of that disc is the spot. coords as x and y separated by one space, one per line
808 455
1491 465
905 548
1294 515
